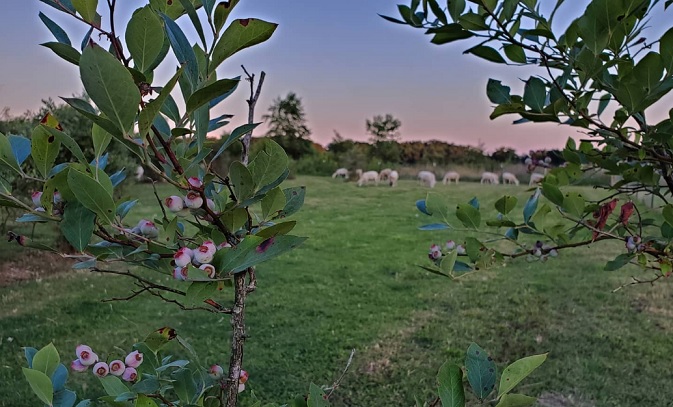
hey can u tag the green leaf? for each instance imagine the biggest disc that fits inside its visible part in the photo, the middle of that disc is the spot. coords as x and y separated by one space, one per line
449 262
44 150
294 198
506 204
92 194
481 371
451 391
41 385
436 205
210 92
619 261
7 159
46 360
603 103
222 11
77 225
86 9
147 115
64 51
183 51
316 397
472 21
144 401
456 8
68 142
282 228
240 34
531 206
269 163
235 135
517 371
273 202
110 85
101 140
666 50
145 38
497 92
58 32
252 251
449 33
200 291
668 214
516 400
438 11
191 12
469 216
552 193
515 53
487 53
113 385
241 181
535 94
574 204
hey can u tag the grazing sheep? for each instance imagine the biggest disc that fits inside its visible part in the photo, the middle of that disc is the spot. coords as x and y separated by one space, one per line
509 178
427 178
369 176
140 172
385 174
535 178
451 176
393 177
341 172
490 177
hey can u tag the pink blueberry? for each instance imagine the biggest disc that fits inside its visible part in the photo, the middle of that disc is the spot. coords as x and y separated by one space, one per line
117 367
174 203
210 245
193 200
149 229
202 254
209 269
180 273
216 371
450 245
36 196
195 182
85 355
130 374
134 359
183 257
101 369
77 366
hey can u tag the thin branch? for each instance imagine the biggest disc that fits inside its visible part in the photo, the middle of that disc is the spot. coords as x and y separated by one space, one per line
337 382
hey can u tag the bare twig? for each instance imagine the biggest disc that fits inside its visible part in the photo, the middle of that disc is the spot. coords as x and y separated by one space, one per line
337 382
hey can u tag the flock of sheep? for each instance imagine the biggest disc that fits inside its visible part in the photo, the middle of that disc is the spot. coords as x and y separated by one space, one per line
428 178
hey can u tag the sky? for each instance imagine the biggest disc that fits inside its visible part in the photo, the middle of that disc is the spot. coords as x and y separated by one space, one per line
343 61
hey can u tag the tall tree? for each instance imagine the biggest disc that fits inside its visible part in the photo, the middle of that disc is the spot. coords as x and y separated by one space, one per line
383 128
287 125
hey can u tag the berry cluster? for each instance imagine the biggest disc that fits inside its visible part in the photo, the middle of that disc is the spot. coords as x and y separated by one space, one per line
216 373
200 257
542 252
435 253
534 161
192 200
634 244
145 228
126 369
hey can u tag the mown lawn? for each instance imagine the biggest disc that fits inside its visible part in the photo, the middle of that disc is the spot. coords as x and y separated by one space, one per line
355 284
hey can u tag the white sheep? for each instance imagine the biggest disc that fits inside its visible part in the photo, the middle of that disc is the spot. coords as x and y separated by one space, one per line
384 174
427 178
369 176
393 177
509 178
535 178
140 172
341 172
490 177
451 176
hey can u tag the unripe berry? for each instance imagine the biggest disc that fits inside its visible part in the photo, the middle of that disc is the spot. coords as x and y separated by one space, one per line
435 252
202 254
450 245
630 244
243 377
460 249
211 204
553 253
195 182
216 372
211 246
539 244
537 253
101 369
85 355
130 374
117 367
241 387
134 359
36 196
547 160
223 245
174 203
529 161
77 366
183 257
180 273
209 269
148 229
193 200
57 197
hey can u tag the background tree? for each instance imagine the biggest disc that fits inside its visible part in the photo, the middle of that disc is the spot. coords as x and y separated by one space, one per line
505 155
384 131
287 125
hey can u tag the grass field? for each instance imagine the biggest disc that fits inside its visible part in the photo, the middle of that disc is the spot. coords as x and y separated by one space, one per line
355 284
